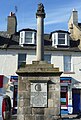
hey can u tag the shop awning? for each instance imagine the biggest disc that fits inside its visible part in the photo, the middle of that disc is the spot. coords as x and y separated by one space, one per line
14 79
65 79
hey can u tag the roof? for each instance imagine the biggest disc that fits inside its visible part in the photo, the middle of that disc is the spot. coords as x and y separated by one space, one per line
4 38
28 29
12 42
79 24
4 34
60 31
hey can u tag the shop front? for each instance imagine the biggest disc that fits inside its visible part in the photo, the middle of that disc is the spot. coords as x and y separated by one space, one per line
13 92
66 95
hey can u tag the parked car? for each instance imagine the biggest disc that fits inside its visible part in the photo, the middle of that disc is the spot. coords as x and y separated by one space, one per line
5 107
12 92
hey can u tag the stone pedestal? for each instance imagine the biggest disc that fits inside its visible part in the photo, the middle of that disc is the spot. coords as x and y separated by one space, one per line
38 92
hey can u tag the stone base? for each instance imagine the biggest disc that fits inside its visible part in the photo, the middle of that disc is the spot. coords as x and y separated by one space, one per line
49 77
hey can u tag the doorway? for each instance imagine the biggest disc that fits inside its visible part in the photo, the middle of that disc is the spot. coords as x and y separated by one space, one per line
76 96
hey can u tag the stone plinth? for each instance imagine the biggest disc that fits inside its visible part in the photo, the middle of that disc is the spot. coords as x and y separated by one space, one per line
46 95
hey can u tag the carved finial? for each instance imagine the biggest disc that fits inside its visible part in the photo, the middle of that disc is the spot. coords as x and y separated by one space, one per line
40 10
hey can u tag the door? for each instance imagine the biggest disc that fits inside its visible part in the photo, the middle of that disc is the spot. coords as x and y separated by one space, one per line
76 100
15 96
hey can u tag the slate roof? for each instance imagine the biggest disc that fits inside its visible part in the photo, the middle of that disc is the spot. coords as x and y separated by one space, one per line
4 39
12 42
4 34
27 29
60 31
79 24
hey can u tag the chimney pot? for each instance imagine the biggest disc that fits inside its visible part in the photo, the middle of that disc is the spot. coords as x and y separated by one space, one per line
12 14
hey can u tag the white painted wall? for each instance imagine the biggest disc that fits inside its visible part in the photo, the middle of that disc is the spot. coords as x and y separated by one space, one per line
31 56
9 62
57 60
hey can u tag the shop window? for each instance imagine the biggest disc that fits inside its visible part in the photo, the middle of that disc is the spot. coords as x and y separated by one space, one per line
64 97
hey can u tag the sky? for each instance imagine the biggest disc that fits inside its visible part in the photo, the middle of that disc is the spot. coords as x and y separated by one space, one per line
57 13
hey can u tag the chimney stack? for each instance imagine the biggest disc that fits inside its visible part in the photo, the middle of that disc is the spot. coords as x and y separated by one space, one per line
40 15
12 24
75 16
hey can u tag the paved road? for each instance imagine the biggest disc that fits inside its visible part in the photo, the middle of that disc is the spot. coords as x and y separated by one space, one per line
14 117
67 117
72 117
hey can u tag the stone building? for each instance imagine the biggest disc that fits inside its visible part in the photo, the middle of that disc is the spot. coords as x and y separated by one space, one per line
74 27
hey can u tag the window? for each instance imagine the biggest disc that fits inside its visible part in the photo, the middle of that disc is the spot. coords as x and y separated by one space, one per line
27 37
54 39
21 60
67 63
61 38
47 57
21 37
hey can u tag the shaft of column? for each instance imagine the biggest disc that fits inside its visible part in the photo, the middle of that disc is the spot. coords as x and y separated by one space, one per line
40 41
40 15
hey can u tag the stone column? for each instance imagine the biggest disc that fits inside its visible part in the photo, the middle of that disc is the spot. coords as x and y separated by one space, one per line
40 15
39 83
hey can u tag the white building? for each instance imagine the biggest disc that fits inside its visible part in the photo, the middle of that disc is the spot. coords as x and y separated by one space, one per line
19 48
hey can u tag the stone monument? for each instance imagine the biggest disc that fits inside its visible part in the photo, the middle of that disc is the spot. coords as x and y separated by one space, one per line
39 83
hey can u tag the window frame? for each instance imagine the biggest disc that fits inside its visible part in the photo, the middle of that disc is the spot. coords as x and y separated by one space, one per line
61 38
49 61
55 39
21 63
23 37
67 63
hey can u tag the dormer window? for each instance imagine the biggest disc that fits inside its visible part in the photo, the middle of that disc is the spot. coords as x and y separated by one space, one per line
27 37
60 38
